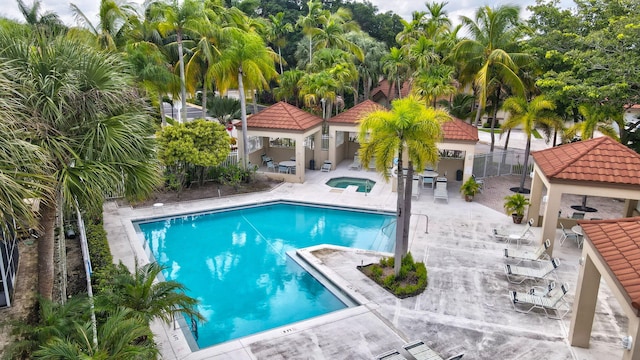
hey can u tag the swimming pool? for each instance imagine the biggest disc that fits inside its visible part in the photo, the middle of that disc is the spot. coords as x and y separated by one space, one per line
364 185
234 261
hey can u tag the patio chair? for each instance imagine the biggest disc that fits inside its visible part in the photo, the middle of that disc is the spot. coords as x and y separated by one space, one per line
440 192
265 159
271 166
520 255
427 180
283 169
518 237
391 355
356 164
566 234
419 350
577 215
519 274
326 167
551 302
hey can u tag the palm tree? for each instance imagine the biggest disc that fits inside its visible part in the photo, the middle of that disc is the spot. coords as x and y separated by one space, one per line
89 121
315 16
147 298
278 34
23 166
114 23
488 57
461 106
529 115
394 66
289 86
49 22
179 19
385 135
368 69
332 30
432 82
595 117
246 57
120 336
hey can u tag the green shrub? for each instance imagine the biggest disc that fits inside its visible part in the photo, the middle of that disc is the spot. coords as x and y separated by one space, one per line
100 255
411 281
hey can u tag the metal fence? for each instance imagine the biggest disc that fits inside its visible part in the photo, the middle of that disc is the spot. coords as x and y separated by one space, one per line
498 163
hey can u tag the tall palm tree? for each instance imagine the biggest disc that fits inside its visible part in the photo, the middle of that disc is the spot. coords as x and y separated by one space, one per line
432 82
409 126
89 121
315 16
395 67
245 58
114 23
278 34
330 33
179 19
528 115
147 298
488 57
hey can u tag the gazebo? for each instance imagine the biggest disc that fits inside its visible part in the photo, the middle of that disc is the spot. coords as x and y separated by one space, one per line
457 148
611 251
284 133
598 167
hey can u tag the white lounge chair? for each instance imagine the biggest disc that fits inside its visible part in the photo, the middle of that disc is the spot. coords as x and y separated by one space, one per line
520 255
518 237
419 350
356 164
519 274
440 192
326 167
552 302
391 355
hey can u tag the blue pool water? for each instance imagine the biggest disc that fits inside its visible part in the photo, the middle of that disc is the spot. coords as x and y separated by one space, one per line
234 262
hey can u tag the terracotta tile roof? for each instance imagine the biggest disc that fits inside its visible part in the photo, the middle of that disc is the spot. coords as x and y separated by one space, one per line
357 112
597 160
459 130
618 242
283 116
383 89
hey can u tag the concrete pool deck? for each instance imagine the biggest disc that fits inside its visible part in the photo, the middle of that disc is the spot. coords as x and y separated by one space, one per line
465 309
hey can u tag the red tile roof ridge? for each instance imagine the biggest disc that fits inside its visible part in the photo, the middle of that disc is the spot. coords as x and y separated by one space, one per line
600 159
284 116
617 243
355 113
457 129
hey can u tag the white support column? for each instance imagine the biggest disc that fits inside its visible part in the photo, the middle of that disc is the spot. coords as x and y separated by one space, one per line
550 220
535 198
584 303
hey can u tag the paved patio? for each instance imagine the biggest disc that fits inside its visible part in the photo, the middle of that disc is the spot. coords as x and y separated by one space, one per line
465 308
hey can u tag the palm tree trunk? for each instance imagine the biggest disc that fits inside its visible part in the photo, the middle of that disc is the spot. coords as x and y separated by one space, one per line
397 263
493 121
506 143
408 192
46 251
183 87
367 88
310 48
527 149
255 101
280 60
478 114
162 114
204 100
243 117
